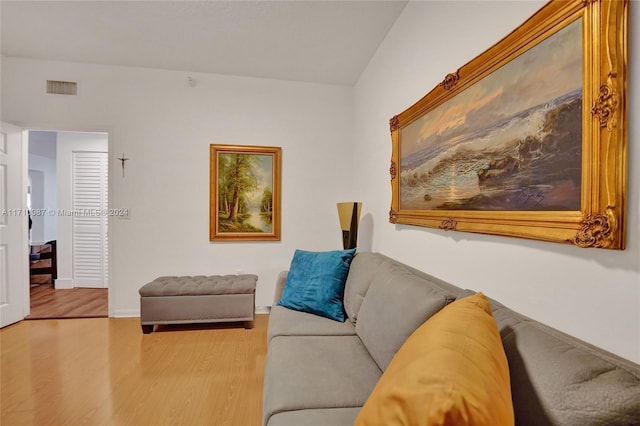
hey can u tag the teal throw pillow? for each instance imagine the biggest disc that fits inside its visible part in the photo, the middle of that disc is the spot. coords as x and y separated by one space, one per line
315 283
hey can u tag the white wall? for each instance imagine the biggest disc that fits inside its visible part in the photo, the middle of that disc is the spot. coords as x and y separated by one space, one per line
590 293
42 157
67 144
36 196
165 127
44 227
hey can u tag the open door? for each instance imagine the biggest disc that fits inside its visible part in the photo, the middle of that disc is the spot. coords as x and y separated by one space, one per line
14 224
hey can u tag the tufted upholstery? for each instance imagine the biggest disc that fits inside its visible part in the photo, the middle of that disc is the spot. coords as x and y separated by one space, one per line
198 299
200 285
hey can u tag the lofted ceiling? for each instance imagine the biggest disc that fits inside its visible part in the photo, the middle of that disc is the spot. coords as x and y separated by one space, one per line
312 41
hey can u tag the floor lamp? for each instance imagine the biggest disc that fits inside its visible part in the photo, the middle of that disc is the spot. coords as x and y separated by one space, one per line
349 214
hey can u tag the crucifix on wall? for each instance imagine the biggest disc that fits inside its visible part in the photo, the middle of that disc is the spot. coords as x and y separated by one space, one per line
122 161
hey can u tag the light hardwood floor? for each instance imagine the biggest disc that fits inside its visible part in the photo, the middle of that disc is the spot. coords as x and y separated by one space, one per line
47 303
104 371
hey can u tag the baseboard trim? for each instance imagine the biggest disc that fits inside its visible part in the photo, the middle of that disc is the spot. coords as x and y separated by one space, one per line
263 309
131 313
126 313
63 283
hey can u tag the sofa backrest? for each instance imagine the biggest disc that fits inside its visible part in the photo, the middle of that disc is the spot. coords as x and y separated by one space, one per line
281 280
361 272
365 267
557 379
393 305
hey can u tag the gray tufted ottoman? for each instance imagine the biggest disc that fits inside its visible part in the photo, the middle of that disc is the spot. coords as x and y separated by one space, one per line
198 299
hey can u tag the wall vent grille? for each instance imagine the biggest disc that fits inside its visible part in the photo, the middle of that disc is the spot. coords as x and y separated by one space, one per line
62 87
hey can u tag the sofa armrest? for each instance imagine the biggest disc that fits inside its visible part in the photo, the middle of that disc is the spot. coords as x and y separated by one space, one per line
280 282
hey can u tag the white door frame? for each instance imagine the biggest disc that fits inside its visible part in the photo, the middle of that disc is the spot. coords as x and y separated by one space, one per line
63 129
14 299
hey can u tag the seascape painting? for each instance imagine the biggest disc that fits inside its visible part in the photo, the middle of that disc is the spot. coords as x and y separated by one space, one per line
245 193
510 142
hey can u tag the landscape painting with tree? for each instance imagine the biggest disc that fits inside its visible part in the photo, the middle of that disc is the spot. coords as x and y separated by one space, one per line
245 193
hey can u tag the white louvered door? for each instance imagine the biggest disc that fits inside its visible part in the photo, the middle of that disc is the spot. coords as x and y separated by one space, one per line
90 219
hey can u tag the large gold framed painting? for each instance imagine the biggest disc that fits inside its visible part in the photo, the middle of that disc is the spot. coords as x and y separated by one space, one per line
528 139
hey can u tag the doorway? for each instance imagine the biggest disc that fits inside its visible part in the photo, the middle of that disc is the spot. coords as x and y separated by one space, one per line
68 238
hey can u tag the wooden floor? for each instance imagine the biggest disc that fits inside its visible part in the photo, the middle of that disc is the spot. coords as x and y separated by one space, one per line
46 302
104 371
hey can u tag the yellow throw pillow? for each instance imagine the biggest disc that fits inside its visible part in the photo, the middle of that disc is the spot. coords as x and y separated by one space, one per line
451 371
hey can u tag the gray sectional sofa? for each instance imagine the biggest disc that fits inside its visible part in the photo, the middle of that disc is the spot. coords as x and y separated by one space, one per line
320 372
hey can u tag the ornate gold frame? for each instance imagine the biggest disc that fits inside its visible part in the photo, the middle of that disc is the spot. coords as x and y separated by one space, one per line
215 233
600 221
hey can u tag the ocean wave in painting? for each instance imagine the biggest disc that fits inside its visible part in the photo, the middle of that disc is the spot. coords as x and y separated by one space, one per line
529 161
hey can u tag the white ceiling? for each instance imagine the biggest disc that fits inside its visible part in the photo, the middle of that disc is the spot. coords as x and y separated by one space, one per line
312 41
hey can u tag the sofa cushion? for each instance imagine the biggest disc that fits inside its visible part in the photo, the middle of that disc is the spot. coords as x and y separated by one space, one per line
287 322
317 372
316 417
451 371
315 282
396 303
557 379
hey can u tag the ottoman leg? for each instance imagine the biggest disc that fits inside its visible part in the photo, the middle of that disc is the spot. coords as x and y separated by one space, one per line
146 329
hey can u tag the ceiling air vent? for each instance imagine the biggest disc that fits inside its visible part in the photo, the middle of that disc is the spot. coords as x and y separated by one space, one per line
62 87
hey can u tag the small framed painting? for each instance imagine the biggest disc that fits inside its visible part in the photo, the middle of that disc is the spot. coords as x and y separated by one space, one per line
244 193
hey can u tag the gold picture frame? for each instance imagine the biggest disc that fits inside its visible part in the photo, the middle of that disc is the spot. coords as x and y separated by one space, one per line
244 193
528 139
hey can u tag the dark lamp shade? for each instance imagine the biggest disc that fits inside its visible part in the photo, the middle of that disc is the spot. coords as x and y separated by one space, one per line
349 214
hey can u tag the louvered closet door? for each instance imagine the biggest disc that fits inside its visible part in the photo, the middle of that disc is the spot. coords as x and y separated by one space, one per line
90 219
